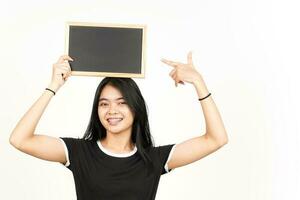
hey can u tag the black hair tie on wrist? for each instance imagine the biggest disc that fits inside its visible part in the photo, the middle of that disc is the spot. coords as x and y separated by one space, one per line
50 90
200 99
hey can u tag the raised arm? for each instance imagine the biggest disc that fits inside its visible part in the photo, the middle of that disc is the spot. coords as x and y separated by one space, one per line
215 135
23 137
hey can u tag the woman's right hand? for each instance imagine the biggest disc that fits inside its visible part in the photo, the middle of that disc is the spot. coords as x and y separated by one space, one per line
60 72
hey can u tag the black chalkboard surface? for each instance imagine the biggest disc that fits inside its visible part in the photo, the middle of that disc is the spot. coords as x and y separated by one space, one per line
114 50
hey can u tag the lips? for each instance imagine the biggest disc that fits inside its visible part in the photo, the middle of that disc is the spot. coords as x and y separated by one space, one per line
114 121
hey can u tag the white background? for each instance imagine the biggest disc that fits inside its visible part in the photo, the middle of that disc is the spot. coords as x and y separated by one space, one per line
247 52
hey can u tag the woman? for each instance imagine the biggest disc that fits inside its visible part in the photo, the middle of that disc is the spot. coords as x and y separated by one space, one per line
116 158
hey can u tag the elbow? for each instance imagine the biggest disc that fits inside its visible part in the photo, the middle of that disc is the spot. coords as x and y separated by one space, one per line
14 142
219 141
225 141
222 141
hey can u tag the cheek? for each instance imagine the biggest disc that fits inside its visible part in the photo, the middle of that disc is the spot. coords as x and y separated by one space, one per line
129 115
101 116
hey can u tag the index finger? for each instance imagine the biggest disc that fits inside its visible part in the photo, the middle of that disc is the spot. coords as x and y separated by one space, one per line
169 62
63 58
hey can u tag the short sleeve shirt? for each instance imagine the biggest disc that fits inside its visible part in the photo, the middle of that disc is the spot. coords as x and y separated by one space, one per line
100 174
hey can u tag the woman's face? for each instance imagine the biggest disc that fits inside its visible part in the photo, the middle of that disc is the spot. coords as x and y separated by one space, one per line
114 113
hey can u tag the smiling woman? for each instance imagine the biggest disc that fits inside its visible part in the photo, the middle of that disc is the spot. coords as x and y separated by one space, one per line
112 111
116 157
123 144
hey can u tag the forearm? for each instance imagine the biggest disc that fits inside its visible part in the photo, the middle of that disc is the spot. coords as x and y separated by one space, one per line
213 121
26 126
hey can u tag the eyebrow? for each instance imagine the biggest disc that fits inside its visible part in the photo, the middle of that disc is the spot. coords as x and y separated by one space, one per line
105 99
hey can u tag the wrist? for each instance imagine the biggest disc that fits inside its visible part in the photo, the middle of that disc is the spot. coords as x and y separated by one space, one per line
197 79
199 83
47 89
53 87
200 87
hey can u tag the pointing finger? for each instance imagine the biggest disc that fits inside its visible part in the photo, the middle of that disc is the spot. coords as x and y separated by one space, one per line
171 63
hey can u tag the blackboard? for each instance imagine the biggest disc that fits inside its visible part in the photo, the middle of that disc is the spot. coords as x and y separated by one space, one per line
115 50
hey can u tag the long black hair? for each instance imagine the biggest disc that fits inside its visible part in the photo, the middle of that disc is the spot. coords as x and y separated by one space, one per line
141 135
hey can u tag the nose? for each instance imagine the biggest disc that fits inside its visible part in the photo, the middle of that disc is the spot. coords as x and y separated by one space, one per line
112 110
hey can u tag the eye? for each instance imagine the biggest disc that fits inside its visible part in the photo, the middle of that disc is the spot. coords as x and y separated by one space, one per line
123 102
103 104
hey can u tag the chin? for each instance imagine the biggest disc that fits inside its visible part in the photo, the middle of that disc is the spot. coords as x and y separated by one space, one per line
116 130
113 131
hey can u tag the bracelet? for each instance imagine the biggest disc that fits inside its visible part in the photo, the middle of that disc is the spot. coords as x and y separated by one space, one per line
200 99
50 90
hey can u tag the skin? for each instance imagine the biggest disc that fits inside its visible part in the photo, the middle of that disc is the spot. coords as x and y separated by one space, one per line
112 105
118 138
192 149
215 135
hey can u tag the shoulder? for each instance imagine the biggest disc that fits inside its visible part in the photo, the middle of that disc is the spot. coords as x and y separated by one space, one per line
161 155
161 151
72 142
71 139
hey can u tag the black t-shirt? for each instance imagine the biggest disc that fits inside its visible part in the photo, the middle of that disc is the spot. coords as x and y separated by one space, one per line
102 175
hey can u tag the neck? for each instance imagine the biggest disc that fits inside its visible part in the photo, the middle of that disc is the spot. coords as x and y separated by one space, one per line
118 143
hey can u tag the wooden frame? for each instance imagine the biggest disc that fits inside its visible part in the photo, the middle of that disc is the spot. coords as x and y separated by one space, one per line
121 33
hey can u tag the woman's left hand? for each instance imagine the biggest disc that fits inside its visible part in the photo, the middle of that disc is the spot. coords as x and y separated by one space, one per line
183 72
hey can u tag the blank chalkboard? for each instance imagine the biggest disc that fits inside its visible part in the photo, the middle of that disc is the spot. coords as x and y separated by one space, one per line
114 50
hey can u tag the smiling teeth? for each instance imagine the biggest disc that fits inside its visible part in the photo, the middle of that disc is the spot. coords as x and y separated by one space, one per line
114 119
